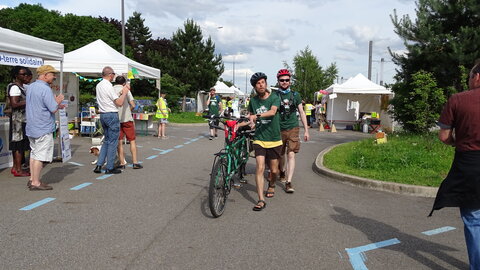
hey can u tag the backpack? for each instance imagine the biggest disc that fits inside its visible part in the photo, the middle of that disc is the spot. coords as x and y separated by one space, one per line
292 107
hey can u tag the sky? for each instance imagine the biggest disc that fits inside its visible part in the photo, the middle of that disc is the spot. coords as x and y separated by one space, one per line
254 35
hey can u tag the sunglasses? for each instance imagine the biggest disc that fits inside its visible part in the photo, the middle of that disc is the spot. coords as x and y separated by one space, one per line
22 74
284 80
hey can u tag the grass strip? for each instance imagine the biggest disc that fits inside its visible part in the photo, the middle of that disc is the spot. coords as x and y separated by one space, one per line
406 158
185 117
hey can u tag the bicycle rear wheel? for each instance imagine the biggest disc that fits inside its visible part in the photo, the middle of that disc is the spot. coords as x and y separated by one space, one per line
217 192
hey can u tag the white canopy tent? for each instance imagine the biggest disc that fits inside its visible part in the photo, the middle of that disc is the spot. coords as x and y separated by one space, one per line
92 58
23 50
25 45
357 89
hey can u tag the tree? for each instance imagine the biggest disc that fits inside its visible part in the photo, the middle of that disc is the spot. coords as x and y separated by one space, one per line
419 108
309 76
139 35
71 30
443 40
193 60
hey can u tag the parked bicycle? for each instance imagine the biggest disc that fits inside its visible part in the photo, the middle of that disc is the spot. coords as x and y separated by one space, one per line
229 164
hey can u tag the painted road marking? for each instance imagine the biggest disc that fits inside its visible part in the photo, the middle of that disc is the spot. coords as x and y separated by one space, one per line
357 258
187 138
152 157
439 230
81 186
187 142
140 146
157 149
179 146
194 140
166 151
37 204
75 163
104 176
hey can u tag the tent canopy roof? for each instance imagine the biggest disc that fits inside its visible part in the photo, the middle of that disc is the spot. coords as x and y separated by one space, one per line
359 85
18 43
92 58
222 89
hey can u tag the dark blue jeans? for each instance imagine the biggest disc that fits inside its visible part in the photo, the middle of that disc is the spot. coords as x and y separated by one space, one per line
471 220
111 131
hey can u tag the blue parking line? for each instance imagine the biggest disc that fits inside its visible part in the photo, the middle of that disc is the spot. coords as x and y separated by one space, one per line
188 142
104 176
194 140
439 230
166 151
179 146
37 204
187 138
75 163
357 258
139 146
81 186
152 157
157 149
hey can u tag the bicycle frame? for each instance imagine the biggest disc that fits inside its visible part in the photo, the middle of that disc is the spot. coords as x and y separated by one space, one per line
235 152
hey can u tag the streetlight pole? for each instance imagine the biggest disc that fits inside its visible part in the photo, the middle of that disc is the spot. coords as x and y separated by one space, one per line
234 70
123 27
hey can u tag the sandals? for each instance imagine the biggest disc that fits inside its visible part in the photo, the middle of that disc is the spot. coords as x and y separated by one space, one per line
270 194
289 187
258 206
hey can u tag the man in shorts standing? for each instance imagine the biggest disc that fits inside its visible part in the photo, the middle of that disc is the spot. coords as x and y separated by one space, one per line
41 106
108 103
267 141
162 114
127 126
214 104
290 103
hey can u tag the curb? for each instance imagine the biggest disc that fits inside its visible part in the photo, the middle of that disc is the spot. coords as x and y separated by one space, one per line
420 191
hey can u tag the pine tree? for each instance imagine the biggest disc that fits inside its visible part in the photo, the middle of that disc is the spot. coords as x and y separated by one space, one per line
139 35
193 61
443 40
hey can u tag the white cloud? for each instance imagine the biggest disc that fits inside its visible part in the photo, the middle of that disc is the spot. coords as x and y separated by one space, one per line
343 57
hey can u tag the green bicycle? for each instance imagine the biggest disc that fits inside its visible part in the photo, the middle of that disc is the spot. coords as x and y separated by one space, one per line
229 164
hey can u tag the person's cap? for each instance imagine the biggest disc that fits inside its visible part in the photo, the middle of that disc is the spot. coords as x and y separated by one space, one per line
46 69
213 88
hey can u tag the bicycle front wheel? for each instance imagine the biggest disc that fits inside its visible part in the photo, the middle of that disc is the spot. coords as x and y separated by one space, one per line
217 192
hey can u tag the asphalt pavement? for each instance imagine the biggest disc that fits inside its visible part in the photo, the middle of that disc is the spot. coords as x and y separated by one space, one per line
158 217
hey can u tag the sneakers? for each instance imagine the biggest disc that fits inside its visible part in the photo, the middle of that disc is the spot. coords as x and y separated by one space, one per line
137 166
283 179
113 171
289 187
210 138
98 169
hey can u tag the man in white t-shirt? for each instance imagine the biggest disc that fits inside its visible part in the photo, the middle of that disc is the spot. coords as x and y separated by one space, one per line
108 103
127 126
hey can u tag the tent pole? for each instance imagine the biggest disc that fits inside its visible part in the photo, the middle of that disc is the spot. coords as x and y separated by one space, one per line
59 137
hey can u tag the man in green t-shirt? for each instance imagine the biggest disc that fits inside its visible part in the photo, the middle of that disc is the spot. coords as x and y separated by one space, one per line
214 104
267 141
290 104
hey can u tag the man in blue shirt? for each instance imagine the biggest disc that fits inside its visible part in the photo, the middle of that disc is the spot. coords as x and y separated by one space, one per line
41 106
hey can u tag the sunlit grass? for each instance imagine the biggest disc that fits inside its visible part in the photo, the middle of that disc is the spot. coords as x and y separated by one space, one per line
406 158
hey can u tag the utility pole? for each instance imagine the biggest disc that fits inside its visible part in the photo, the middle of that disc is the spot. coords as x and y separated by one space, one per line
123 27
370 45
